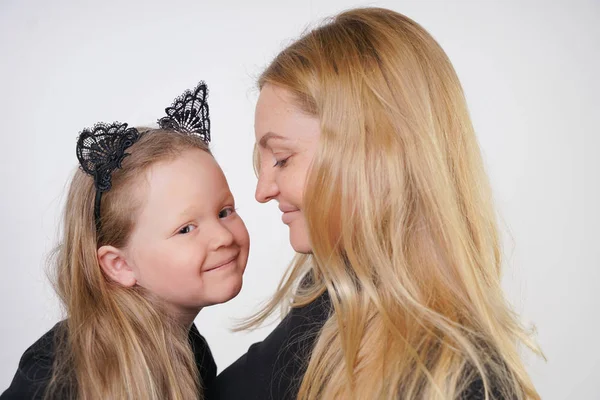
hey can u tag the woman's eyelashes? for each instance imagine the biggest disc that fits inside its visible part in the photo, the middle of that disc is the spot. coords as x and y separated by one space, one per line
281 163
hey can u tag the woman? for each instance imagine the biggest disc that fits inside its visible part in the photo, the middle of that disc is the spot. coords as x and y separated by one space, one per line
364 139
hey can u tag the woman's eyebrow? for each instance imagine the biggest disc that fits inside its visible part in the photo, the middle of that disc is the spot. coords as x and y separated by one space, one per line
268 136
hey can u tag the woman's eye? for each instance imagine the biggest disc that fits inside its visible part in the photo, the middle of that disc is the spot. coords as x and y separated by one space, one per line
226 212
280 163
187 229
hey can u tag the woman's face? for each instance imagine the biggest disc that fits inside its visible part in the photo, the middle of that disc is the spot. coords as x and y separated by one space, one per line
286 139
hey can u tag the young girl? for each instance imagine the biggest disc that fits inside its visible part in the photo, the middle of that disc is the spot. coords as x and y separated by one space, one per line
151 236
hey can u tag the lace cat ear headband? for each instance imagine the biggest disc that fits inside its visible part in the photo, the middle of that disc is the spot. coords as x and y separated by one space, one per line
101 149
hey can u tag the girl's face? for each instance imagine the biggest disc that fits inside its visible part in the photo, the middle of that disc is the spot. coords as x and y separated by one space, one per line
287 139
189 246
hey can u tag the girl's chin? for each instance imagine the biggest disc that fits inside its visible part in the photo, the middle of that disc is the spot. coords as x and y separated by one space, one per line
226 290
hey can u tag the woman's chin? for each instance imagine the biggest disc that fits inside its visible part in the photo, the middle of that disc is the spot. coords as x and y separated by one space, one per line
299 241
302 248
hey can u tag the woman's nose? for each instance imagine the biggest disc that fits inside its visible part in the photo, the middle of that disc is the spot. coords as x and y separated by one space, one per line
266 187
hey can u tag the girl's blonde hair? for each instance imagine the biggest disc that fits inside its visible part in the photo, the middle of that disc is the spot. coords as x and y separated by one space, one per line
400 216
117 342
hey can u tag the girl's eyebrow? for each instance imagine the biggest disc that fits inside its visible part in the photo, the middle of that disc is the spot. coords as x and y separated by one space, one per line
188 211
224 196
268 136
227 197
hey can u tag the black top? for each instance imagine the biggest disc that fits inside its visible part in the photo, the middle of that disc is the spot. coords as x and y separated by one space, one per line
35 368
273 369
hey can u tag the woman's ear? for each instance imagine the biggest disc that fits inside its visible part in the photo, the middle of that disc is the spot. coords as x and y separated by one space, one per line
115 266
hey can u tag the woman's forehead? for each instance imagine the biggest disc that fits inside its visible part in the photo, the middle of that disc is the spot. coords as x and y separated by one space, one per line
278 118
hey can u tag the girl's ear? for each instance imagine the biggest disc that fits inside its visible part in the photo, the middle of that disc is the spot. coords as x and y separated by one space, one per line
115 266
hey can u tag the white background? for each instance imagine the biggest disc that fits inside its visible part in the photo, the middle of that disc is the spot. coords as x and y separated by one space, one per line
529 70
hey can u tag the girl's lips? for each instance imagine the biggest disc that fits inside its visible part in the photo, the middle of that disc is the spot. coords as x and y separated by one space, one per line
224 264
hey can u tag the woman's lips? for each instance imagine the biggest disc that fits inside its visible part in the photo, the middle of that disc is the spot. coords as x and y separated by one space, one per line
288 216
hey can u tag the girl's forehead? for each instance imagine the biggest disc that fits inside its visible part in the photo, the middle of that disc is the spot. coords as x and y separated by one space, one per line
192 180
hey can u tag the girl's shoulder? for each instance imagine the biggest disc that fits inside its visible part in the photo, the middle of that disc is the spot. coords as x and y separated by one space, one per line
35 368
204 361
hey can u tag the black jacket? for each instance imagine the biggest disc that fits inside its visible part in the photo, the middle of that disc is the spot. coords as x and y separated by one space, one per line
273 369
35 368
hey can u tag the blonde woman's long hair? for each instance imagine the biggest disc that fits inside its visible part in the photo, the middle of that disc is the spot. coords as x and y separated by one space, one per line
117 342
400 216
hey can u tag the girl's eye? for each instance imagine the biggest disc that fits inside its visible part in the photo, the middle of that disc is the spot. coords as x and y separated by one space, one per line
280 163
226 212
186 229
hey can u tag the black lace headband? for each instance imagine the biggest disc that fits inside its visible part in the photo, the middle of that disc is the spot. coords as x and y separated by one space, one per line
101 149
